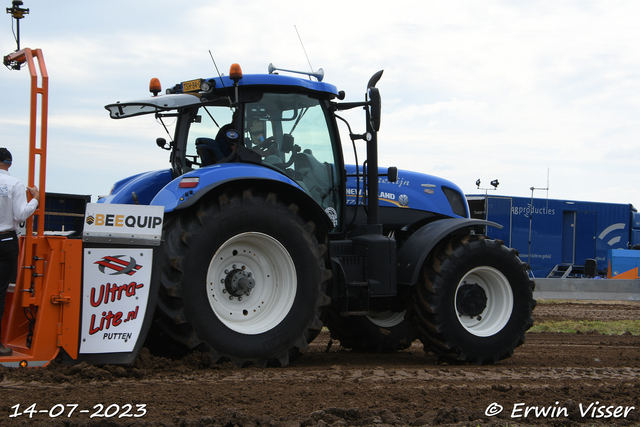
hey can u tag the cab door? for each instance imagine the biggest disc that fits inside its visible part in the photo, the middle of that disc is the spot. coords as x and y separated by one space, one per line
292 134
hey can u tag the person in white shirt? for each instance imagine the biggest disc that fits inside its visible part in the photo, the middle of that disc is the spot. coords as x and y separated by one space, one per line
14 208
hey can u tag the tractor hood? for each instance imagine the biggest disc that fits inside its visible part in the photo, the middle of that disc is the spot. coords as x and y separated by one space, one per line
412 190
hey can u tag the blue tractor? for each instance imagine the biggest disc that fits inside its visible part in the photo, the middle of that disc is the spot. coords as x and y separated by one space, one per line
269 236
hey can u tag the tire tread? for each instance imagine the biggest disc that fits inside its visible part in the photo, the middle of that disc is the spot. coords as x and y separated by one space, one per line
178 234
427 305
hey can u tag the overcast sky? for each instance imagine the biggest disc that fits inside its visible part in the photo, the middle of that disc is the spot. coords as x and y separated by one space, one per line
516 91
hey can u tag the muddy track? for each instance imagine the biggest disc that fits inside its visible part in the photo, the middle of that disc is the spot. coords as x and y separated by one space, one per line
553 379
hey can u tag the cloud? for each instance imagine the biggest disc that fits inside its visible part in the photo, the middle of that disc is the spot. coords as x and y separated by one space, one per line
470 90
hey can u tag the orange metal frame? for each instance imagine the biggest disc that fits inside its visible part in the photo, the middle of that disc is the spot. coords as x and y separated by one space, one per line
44 309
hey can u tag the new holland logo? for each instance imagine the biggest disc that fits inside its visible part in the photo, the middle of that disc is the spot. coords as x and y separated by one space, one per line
118 265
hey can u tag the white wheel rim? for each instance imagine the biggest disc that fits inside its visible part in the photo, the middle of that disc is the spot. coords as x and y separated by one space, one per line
271 267
499 305
386 319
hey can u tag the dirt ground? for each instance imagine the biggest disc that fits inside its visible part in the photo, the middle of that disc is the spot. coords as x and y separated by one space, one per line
553 379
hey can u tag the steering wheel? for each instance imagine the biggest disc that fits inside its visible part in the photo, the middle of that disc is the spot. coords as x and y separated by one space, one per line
265 144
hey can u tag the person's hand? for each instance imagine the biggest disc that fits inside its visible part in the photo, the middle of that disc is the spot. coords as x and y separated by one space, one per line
35 193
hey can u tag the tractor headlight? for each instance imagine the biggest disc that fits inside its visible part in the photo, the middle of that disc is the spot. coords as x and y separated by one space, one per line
207 86
457 201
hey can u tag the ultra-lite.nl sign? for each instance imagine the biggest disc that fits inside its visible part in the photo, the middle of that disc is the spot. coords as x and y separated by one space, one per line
115 294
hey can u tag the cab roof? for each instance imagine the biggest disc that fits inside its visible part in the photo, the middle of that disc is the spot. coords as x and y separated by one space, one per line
190 93
296 84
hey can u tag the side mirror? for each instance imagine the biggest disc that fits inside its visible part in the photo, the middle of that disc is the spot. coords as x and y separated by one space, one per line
375 108
162 143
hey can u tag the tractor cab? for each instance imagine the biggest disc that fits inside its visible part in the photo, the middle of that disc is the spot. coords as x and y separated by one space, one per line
288 133
279 122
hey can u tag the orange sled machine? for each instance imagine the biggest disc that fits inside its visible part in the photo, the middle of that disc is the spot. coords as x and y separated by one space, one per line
81 298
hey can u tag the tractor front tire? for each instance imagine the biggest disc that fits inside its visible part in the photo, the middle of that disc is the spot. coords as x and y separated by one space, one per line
243 278
474 300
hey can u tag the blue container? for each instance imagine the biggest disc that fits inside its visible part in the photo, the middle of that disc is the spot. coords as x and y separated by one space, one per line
551 232
623 260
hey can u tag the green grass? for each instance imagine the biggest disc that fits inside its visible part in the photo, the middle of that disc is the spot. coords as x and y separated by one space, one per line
615 327
611 327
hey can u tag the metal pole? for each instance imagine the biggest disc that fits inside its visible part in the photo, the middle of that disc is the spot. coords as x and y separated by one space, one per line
32 272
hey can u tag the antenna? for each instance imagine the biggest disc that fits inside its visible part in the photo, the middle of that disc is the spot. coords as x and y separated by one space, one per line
531 211
303 49
495 184
17 13
214 64
217 71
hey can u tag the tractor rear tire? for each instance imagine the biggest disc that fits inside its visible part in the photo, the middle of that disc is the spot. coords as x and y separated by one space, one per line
474 300
243 278
379 332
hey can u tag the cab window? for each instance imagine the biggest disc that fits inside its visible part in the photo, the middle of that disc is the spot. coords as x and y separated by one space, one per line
291 133
204 147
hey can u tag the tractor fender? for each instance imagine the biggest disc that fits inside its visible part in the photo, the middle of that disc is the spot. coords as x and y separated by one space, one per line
419 245
174 198
145 186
